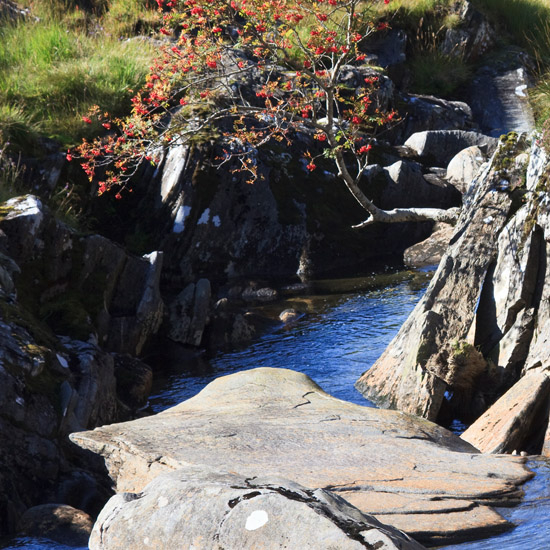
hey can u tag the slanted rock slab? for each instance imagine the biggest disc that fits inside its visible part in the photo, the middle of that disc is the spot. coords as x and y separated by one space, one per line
509 423
200 508
279 422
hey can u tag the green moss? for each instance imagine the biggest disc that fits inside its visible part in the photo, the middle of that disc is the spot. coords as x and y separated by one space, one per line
461 349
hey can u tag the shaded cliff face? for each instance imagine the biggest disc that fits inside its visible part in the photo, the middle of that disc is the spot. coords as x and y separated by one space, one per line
484 321
290 222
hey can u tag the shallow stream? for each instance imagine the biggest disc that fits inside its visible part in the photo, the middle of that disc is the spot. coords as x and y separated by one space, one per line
345 327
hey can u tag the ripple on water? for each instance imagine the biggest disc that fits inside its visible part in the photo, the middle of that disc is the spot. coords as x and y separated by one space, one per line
29 543
531 518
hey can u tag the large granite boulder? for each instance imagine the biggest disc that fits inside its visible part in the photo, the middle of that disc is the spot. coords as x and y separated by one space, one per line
266 422
423 112
483 322
196 507
438 147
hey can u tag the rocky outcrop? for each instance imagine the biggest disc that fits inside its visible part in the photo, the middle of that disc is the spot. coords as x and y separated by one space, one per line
438 147
209 509
86 286
61 295
483 321
473 37
268 422
44 394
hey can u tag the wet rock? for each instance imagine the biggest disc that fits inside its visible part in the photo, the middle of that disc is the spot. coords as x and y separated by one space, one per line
188 313
289 315
265 294
464 166
513 420
58 522
499 95
438 147
267 422
210 509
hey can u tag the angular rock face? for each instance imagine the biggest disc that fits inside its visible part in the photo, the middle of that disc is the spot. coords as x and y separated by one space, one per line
438 147
199 508
278 422
484 318
84 285
215 225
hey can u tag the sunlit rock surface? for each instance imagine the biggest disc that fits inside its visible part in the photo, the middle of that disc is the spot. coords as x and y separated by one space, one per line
406 471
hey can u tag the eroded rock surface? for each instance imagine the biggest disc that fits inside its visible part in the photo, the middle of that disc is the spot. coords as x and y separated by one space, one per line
406 470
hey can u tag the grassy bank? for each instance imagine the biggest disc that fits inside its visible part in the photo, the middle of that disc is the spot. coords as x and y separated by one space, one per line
54 69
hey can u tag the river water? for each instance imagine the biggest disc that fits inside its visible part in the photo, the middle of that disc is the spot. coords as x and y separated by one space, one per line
345 327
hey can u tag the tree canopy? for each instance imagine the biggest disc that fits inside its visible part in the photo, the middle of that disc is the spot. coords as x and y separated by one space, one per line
292 54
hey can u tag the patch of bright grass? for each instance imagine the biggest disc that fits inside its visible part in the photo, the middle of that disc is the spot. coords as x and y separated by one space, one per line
436 73
408 13
54 75
130 17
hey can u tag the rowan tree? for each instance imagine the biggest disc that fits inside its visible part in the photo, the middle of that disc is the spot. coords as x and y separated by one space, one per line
293 54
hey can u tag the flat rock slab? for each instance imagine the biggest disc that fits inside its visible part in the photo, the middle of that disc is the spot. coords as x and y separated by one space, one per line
279 422
200 508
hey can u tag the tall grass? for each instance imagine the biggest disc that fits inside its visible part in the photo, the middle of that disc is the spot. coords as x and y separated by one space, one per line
408 13
51 75
527 20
